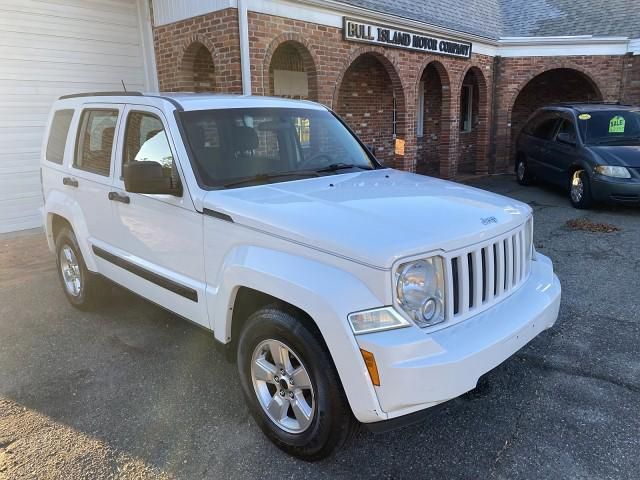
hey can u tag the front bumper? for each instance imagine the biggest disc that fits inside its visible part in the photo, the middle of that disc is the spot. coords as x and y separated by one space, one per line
613 190
419 369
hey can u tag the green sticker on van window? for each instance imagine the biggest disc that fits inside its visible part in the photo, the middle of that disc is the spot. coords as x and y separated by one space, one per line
616 124
584 116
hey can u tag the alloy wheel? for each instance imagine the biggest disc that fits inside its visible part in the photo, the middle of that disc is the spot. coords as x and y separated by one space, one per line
283 386
70 269
577 187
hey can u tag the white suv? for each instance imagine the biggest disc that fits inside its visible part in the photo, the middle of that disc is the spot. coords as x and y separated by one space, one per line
347 292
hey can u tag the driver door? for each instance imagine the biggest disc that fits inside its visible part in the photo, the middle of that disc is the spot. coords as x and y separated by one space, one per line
158 247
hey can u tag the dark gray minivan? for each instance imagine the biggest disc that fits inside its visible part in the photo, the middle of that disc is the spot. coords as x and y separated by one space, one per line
593 150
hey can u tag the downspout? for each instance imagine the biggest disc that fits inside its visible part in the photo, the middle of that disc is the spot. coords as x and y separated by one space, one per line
245 61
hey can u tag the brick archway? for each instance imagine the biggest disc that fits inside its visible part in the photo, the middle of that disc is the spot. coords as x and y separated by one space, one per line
366 91
196 66
473 144
307 61
433 148
570 84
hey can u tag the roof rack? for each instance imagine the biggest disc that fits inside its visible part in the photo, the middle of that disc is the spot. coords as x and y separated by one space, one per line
102 94
587 102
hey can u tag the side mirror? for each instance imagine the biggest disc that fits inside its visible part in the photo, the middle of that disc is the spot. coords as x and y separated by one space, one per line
564 137
149 177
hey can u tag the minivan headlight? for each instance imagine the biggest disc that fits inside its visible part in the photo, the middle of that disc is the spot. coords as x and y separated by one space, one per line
420 290
609 171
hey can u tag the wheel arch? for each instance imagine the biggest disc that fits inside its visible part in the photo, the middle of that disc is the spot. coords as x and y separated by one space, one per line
254 277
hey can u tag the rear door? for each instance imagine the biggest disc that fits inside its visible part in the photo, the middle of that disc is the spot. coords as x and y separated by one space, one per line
159 245
91 172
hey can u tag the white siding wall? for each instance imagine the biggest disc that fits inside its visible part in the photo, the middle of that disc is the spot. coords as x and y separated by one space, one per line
49 48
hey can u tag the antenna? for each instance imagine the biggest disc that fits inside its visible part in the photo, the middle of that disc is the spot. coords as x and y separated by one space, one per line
124 86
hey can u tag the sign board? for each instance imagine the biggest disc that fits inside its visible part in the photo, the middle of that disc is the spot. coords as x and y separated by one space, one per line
357 31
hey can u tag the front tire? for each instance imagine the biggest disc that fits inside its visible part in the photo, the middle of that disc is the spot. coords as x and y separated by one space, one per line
291 385
580 190
80 286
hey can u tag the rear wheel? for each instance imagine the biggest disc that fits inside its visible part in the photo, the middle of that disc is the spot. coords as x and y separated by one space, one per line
523 173
291 386
80 286
580 190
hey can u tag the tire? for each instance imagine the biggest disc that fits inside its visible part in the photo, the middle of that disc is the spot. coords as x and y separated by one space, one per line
580 190
329 423
523 173
81 287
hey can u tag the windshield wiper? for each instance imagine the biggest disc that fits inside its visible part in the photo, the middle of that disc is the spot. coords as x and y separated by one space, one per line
263 177
334 167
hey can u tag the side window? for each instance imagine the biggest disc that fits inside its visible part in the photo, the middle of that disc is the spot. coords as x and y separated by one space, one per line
58 136
95 141
545 128
568 128
146 141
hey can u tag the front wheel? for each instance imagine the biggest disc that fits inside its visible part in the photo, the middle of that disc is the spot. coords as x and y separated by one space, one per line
291 386
580 190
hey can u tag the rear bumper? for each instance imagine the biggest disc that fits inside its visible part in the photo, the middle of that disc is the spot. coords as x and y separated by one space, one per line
419 370
615 190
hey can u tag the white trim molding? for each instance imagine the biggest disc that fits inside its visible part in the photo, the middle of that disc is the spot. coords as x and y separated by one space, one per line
562 46
634 46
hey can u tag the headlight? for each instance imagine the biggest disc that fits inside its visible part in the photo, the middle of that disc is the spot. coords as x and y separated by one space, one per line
376 320
609 171
420 290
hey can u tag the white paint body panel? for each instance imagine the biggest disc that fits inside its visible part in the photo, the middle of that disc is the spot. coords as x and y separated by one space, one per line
327 245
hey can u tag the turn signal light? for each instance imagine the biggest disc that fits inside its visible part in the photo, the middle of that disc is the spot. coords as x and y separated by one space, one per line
370 362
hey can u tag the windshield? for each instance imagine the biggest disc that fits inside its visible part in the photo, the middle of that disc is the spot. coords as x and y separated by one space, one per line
241 147
614 126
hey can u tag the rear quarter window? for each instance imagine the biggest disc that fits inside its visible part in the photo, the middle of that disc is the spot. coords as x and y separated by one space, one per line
58 134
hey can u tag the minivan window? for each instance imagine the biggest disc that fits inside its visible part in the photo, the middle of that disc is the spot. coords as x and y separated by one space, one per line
546 127
273 143
95 141
614 126
58 136
568 128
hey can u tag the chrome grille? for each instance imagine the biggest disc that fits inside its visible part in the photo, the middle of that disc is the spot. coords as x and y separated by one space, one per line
481 275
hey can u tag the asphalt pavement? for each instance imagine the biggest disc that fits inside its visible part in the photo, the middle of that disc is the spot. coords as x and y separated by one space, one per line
131 391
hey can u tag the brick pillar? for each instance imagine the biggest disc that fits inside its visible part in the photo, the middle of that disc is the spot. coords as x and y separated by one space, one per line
631 79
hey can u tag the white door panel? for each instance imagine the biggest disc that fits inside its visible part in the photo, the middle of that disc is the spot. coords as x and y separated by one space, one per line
163 233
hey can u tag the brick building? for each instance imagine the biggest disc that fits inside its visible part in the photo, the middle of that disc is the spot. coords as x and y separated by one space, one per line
439 87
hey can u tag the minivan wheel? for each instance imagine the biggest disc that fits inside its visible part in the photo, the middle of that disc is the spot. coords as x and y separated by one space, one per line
523 175
580 190
291 386
80 286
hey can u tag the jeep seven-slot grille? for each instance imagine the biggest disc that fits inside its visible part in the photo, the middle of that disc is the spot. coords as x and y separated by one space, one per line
479 276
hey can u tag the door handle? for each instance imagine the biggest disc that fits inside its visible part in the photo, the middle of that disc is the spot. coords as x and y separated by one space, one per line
70 182
117 197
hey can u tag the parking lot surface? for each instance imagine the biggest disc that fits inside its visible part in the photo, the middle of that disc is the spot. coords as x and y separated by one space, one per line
130 391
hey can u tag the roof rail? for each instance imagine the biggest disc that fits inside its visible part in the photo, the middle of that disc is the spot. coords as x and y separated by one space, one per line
102 94
587 102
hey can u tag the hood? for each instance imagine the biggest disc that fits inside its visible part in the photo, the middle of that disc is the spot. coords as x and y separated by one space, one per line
619 155
373 217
